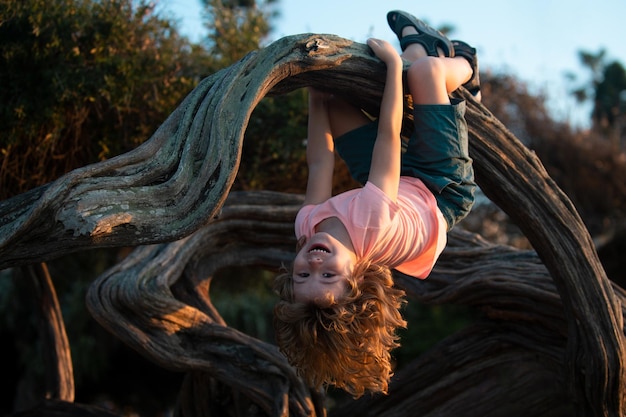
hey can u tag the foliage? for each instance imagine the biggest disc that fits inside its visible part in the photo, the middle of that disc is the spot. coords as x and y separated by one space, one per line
245 299
594 62
273 156
610 97
83 80
427 326
236 28
584 164
607 90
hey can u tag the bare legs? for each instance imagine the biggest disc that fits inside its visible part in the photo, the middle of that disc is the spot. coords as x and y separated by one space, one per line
344 117
432 79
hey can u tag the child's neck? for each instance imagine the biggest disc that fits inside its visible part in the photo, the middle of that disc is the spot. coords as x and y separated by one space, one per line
334 227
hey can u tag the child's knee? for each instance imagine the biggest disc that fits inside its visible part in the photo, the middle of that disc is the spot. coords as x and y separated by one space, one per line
426 79
425 68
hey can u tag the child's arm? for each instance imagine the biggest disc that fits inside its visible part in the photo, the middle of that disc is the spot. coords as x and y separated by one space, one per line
385 168
319 151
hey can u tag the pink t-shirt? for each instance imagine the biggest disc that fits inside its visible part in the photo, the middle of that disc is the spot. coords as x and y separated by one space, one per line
408 235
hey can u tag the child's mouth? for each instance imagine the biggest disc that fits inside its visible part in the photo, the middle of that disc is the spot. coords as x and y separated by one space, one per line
319 248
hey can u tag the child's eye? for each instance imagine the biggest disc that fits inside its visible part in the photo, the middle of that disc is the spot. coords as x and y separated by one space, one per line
328 275
303 274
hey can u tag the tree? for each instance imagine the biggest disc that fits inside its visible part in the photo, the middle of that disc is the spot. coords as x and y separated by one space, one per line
70 68
585 165
275 132
610 104
236 28
565 328
607 89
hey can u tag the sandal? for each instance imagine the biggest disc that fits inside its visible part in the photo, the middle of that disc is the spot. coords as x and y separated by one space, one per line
462 49
426 36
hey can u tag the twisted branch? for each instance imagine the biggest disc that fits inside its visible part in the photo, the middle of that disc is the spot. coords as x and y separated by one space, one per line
176 183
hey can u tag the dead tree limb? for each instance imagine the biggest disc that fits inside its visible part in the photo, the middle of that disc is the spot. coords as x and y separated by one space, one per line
176 183
551 223
56 347
493 368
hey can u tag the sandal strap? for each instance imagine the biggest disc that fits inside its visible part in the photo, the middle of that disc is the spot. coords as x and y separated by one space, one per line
429 43
464 50
426 36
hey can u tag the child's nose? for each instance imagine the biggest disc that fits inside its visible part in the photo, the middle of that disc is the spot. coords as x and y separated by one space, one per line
315 259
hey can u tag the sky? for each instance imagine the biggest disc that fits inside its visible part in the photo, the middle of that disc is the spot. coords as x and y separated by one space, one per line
535 40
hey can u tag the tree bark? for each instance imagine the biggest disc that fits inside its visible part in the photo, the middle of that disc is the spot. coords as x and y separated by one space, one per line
55 344
501 360
175 184
58 408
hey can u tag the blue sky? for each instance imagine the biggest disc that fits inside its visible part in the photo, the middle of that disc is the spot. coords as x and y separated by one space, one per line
536 40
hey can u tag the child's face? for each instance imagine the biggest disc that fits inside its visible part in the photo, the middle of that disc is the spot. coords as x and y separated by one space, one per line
322 266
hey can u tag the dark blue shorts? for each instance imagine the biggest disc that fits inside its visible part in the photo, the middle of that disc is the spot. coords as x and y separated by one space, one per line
436 153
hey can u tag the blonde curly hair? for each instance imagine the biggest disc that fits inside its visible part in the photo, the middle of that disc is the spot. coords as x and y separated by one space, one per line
346 342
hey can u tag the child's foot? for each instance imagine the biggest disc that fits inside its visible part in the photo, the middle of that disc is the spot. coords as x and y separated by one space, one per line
464 50
426 36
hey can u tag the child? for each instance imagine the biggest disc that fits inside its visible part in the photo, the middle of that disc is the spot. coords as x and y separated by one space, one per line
339 311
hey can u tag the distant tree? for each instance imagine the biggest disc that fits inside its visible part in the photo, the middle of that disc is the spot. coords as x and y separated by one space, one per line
607 90
594 62
584 164
84 80
236 27
609 113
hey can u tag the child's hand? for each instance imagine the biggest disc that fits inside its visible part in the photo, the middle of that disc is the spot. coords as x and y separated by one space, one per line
384 51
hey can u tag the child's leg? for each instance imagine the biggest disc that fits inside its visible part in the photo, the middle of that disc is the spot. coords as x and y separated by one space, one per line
432 79
437 151
418 40
464 50
344 117
354 135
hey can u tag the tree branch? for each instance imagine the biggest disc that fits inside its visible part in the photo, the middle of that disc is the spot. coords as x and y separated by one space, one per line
176 182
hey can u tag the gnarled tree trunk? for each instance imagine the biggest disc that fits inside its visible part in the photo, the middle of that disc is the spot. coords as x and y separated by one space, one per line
553 344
